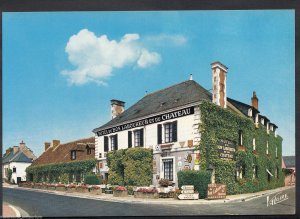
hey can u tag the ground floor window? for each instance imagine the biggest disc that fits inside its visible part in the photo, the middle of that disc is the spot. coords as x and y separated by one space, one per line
168 169
14 169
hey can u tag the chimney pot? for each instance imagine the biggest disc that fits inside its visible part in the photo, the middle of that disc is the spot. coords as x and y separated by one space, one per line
117 107
191 77
22 144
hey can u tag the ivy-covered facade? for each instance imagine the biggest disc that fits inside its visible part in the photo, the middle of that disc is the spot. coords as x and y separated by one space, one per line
256 163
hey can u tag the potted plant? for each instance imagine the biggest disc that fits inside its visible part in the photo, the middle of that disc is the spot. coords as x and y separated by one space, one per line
146 193
71 187
120 191
60 187
82 188
95 190
51 187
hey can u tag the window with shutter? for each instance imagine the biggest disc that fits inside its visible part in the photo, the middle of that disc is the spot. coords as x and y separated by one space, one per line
159 134
141 137
174 127
105 144
168 132
129 139
116 142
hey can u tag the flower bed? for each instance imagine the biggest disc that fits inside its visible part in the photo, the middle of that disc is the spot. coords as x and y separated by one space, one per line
60 187
120 191
71 188
95 190
82 188
51 186
147 193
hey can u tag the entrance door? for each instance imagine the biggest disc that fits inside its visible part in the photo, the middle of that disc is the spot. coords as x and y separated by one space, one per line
168 169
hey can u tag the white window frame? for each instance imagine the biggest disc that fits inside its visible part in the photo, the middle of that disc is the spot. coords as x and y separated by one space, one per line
250 112
162 167
254 144
137 138
170 133
112 142
73 155
267 150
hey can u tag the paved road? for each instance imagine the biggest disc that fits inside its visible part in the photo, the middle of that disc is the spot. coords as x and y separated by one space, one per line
43 204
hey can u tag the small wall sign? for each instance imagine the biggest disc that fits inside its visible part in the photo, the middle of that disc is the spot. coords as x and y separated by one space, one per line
226 149
188 193
216 191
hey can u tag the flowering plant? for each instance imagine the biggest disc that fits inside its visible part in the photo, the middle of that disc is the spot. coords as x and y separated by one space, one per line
147 190
95 187
120 188
82 186
164 182
51 185
60 185
71 186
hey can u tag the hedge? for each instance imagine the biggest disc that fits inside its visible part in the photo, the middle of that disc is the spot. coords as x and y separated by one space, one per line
218 123
200 180
132 166
91 179
53 172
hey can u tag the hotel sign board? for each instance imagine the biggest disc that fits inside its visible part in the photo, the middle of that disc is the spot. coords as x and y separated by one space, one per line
216 191
151 120
226 149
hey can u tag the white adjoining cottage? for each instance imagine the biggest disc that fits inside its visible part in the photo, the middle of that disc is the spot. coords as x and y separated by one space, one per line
167 121
17 159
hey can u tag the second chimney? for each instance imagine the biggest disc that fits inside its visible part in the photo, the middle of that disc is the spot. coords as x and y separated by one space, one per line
254 100
15 149
219 74
117 107
47 145
55 143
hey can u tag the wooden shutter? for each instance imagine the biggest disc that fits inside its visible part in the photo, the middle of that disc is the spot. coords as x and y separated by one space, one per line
142 137
129 139
116 141
159 134
174 127
105 143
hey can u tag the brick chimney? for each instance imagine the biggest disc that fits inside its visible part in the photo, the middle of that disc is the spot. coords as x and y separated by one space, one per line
219 74
47 145
15 149
22 145
254 100
117 107
55 143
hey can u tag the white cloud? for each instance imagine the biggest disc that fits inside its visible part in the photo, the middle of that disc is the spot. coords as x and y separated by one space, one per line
95 58
176 39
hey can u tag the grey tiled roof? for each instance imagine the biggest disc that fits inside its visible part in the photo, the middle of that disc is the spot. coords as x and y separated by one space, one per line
7 157
289 161
241 106
21 157
181 94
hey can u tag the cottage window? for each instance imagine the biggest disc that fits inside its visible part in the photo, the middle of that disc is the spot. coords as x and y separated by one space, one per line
240 138
114 142
14 170
168 169
88 151
73 155
138 138
171 132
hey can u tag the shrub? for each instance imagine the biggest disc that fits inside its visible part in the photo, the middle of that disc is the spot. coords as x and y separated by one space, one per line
91 179
164 182
130 190
8 174
200 180
64 178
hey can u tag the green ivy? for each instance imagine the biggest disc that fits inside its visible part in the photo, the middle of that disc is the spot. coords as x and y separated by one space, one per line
53 172
218 123
132 166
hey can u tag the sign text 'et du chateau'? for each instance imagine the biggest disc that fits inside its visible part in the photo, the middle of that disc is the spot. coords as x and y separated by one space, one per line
151 120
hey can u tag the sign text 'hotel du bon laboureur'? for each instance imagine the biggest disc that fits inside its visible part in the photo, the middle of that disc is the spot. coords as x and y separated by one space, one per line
151 120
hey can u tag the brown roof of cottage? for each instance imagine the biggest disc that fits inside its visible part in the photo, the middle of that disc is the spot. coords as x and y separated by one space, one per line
62 153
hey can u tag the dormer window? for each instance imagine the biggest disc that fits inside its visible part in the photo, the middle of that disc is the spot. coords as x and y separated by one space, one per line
73 155
88 150
250 112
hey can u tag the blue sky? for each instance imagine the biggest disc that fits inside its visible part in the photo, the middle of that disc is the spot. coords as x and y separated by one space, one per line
61 69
